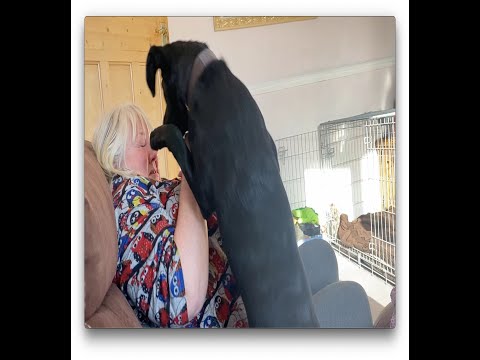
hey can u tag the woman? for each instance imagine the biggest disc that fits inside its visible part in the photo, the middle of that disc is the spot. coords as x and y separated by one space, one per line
170 266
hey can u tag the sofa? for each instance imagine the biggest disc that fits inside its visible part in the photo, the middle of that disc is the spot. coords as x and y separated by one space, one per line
387 317
105 305
338 304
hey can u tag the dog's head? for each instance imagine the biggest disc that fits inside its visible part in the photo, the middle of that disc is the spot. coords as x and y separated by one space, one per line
175 60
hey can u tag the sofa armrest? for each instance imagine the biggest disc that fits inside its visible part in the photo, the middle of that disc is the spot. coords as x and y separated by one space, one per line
114 312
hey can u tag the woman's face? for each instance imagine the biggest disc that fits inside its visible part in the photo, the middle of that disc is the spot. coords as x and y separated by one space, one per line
139 156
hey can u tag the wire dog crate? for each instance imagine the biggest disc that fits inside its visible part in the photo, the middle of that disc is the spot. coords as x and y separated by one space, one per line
346 172
296 154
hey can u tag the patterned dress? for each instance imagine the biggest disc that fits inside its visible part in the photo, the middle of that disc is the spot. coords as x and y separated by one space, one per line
149 268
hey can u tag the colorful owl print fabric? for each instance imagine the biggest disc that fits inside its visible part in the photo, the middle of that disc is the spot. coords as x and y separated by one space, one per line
149 268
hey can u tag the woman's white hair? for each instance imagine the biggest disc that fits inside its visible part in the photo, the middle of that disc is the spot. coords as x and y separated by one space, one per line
111 136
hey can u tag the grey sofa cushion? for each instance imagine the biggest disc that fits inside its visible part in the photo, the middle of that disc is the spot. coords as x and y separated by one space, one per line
320 263
343 304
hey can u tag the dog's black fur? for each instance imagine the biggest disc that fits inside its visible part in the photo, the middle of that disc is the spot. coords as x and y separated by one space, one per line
233 170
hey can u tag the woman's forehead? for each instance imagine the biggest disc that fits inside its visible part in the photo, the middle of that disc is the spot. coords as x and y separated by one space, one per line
141 131
140 126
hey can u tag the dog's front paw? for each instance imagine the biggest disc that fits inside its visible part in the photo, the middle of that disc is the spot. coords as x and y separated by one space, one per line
158 139
168 135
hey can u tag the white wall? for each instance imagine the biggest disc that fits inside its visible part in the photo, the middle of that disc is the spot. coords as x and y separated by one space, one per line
315 50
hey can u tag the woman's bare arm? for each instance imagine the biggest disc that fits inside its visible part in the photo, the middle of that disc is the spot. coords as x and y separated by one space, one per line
191 238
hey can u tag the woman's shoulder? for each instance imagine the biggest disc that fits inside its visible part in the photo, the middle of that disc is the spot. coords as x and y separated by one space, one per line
139 191
143 184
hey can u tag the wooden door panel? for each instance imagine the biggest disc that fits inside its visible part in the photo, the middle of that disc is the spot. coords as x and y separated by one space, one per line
120 83
143 96
93 97
129 26
116 50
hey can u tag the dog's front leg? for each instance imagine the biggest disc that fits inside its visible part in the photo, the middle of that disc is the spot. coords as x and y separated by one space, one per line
169 136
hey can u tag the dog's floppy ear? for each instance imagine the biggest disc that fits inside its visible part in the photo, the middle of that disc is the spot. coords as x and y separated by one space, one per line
156 59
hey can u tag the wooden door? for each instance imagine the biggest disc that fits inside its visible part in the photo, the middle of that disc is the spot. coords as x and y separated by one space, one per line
116 51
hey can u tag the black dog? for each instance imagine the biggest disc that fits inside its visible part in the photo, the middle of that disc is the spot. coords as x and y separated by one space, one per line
233 170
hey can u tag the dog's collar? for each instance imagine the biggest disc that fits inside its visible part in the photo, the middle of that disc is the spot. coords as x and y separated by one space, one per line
205 57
